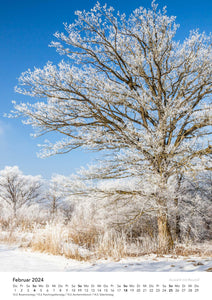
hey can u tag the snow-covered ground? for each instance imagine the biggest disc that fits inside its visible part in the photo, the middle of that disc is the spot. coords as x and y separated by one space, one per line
13 259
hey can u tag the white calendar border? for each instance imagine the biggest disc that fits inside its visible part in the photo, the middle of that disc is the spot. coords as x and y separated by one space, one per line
203 279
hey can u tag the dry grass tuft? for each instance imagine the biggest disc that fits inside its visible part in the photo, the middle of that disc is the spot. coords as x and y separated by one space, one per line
193 250
86 237
9 238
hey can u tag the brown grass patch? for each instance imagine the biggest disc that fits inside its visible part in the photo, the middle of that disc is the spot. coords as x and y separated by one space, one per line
193 250
86 238
58 240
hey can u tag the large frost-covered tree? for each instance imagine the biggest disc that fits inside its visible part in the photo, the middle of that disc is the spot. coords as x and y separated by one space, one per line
127 87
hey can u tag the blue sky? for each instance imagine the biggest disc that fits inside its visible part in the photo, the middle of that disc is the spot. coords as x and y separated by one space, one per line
26 30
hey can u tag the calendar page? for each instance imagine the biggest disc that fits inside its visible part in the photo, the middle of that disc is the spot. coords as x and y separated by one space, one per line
105 149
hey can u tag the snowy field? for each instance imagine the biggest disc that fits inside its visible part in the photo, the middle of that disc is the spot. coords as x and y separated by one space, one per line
13 259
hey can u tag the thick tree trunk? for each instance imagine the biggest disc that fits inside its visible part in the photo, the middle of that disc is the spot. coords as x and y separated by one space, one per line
165 241
177 226
177 218
14 211
178 231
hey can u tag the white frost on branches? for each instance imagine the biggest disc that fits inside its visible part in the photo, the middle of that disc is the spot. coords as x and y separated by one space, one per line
130 89
128 85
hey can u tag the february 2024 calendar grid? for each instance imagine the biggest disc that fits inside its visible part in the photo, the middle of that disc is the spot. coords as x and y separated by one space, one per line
109 285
